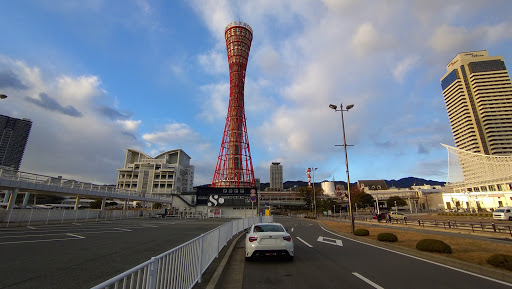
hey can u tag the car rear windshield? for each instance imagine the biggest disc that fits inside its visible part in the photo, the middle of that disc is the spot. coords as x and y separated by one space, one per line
499 210
268 228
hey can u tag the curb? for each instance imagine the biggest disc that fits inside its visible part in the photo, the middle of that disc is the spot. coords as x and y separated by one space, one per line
218 272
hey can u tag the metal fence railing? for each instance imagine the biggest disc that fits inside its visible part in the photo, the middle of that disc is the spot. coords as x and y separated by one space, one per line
183 266
489 227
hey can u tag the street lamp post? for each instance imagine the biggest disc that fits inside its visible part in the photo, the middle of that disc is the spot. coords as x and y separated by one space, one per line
314 194
346 160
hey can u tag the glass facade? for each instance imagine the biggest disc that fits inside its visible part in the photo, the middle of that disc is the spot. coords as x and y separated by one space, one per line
449 79
485 66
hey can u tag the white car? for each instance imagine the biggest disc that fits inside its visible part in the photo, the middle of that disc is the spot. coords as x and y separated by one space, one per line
268 239
502 213
399 216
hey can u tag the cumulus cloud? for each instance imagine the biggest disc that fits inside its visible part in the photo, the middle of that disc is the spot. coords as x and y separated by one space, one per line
67 125
174 133
366 39
51 104
9 79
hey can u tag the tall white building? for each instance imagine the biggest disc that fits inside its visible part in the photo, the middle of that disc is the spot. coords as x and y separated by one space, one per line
478 97
276 177
168 173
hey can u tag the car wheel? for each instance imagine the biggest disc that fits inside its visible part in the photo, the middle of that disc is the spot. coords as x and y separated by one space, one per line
290 258
405 219
510 218
248 259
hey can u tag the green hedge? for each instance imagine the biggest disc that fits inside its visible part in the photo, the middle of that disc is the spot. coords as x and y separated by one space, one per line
433 245
501 261
361 232
387 237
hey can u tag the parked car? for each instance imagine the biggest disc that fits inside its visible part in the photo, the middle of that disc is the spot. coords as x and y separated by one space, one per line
502 213
268 239
398 216
380 216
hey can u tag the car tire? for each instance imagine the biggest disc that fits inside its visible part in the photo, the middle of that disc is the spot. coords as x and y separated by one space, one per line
290 258
510 218
405 219
248 259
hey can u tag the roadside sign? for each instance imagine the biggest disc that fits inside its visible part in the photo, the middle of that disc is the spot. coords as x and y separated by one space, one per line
253 193
253 198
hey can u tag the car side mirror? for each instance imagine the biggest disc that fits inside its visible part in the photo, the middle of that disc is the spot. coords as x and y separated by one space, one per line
246 231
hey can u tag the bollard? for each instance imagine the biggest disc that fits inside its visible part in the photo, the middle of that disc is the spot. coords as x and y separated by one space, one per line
449 225
419 222
493 227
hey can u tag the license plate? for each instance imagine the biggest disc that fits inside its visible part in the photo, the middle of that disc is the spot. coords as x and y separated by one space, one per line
271 254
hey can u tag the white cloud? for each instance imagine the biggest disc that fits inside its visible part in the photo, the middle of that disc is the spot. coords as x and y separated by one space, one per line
213 62
366 39
57 140
403 67
130 125
174 133
215 106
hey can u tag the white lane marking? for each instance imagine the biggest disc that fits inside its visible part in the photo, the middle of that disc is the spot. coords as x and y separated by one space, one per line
73 235
424 260
367 280
30 227
304 242
330 241
292 229
149 226
77 224
121 229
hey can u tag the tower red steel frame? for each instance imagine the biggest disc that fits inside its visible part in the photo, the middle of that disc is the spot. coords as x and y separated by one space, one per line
234 165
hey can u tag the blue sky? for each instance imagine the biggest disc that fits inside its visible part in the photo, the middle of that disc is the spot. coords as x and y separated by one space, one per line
97 77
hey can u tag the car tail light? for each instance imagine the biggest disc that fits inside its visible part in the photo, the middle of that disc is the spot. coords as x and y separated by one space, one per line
287 238
252 239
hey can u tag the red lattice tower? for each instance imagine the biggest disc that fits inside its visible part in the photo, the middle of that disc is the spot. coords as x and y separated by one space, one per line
234 165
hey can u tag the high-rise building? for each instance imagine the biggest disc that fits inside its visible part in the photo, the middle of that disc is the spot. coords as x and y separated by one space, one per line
276 177
168 173
478 97
14 134
234 165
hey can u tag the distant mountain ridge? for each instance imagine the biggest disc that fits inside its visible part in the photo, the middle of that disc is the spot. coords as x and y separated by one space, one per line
401 183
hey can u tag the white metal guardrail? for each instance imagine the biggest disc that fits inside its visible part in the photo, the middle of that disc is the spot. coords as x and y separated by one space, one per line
183 266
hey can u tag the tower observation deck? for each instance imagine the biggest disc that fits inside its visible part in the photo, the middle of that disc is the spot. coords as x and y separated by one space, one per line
234 165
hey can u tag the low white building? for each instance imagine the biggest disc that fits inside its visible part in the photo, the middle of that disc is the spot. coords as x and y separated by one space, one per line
166 174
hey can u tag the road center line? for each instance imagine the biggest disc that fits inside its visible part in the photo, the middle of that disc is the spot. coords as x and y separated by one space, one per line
367 280
298 238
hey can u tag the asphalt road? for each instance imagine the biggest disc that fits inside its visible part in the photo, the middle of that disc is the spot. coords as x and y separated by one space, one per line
327 260
84 255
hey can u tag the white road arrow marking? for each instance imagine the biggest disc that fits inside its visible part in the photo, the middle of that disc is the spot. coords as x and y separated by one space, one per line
330 241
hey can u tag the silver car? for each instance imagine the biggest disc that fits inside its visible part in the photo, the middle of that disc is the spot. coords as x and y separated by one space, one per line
268 239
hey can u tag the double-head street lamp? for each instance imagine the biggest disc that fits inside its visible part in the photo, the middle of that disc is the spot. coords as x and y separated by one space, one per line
346 160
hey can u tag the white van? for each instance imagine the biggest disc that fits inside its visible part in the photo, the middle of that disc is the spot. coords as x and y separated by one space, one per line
502 213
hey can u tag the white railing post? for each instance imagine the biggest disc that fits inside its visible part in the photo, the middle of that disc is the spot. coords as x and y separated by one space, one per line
153 273
200 257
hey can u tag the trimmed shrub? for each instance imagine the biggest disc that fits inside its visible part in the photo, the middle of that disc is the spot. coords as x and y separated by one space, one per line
387 237
433 245
361 232
501 260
